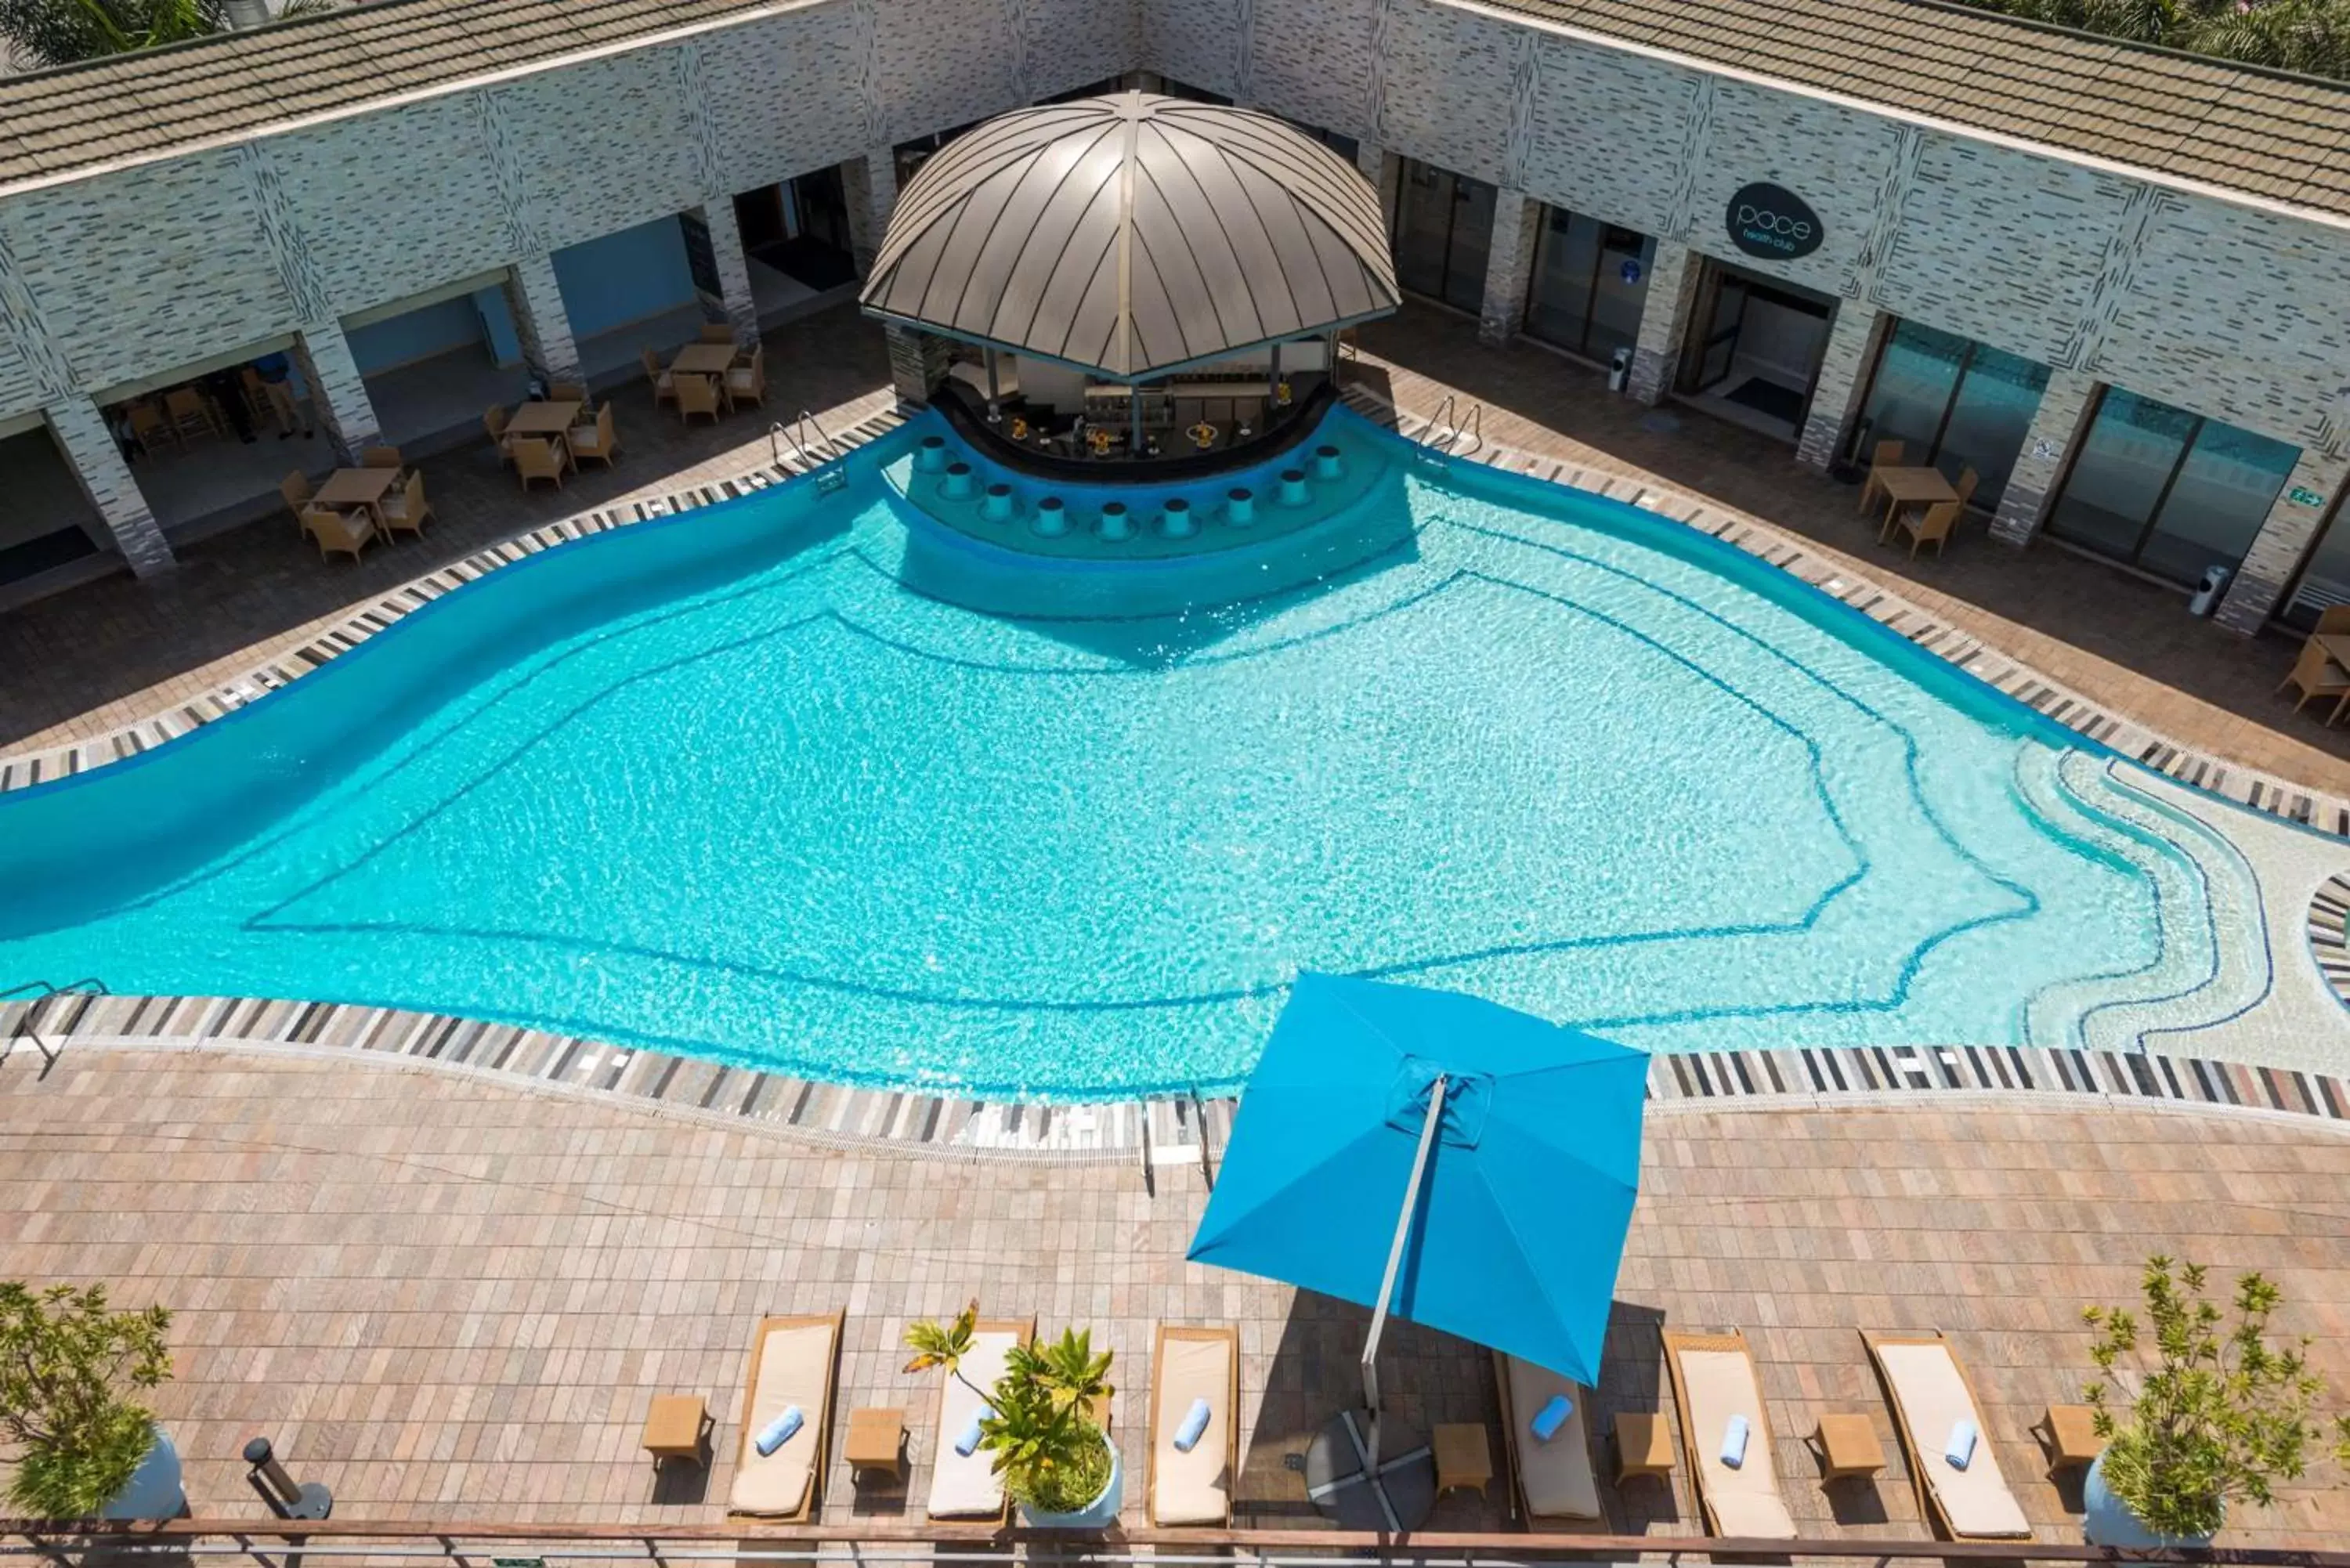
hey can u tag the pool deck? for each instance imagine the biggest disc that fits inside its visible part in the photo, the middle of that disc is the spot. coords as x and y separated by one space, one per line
105 654
446 1298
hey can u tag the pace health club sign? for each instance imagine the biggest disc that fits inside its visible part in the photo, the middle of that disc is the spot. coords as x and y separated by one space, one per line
1766 221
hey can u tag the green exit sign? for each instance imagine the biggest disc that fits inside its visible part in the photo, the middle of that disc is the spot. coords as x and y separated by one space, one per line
2302 496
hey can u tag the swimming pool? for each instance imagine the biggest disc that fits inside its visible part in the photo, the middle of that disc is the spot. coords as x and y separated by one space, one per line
810 780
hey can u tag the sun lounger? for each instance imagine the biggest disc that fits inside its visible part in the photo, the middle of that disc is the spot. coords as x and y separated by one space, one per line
1187 1364
793 1361
1714 1384
965 1486
1930 1396
1553 1480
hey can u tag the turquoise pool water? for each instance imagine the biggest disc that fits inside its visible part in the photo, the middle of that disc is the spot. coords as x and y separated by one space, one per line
758 783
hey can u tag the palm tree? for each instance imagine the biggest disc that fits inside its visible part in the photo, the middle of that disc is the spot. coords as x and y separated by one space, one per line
61 32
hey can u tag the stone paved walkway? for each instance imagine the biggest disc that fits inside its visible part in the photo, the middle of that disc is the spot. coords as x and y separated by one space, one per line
448 1299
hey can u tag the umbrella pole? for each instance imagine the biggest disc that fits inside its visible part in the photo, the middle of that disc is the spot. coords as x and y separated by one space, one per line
1394 1264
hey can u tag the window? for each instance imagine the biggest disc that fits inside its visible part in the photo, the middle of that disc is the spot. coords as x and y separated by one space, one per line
2167 490
1955 404
1590 283
1444 226
2324 580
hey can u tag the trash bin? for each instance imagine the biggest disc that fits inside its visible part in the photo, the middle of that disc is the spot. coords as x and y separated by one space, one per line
2206 597
1619 369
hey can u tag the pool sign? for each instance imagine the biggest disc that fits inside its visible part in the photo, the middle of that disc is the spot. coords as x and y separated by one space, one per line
1766 221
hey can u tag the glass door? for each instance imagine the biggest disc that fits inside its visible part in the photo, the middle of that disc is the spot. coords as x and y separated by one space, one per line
1954 404
2168 492
2324 580
1721 343
1443 230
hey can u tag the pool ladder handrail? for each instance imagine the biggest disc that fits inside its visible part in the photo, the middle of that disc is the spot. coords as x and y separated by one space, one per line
38 995
1445 431
795 433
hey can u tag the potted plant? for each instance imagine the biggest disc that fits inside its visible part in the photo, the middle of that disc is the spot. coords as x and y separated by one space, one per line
85 1447
1057 1462
2221 1416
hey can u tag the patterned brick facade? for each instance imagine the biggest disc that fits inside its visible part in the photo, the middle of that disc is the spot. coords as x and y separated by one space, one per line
1509 264
2226 307
1853 341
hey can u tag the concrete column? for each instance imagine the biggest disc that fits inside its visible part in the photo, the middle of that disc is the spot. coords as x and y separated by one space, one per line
540 321
2055 425
870 184
1853 341
918 363
1509 266
733 268
1664 320
91 450
2284 538
339 399
1385 171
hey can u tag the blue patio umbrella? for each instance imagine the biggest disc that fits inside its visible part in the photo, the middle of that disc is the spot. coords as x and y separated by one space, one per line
1456 1162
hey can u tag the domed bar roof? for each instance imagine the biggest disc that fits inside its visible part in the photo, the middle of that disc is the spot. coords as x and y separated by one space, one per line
1133 234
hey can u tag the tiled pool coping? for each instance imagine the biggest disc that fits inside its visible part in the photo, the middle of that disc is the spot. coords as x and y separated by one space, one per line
1152 1132
2329 933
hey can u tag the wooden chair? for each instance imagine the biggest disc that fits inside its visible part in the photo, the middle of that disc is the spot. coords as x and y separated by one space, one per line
349 532
494 419
189 413
598 440
1884 454
665 385
2318 675
151 427
296 488
567 392
748 383
380 457
697 395
536 459
716 332
1934 524
406 508
1967 480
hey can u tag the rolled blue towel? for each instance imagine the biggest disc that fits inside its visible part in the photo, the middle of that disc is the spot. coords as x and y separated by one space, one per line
1194 1422
1551 1418
778 1432
967 1440
1960 1449
1733 1442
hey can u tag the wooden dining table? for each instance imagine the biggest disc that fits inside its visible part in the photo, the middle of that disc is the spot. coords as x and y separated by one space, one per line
357 487
1911 487
703 360
549 421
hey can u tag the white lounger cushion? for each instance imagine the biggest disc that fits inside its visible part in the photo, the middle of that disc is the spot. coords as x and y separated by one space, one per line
1193 1488
1745 1501
1933 1399
794 1368
964 1486
1555 1476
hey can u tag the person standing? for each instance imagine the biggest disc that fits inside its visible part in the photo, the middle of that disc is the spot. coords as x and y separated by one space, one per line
281 383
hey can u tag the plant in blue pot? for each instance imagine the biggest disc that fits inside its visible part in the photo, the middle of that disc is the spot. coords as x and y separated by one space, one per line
69 1368
2220 1416
1040 1422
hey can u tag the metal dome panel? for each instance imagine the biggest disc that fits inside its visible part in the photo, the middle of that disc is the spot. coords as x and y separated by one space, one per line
1133 233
